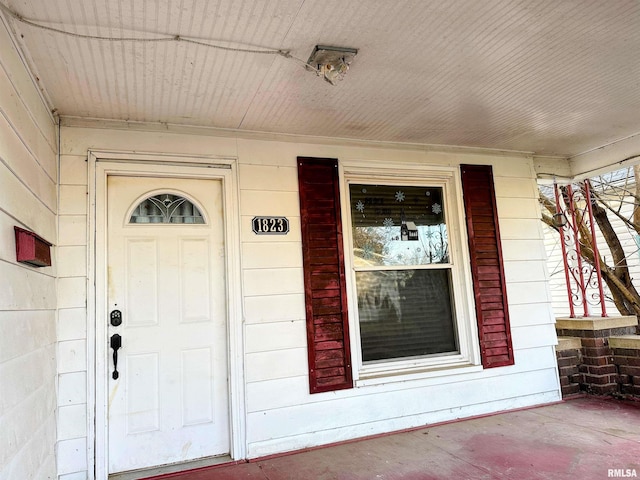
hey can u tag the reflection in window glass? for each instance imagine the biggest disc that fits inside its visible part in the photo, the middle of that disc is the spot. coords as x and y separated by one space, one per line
405 313
166 208
403 272
398 225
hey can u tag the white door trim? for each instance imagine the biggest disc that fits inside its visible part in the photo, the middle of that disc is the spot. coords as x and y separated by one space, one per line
101 165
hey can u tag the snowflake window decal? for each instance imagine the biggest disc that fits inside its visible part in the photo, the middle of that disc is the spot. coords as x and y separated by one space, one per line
397 225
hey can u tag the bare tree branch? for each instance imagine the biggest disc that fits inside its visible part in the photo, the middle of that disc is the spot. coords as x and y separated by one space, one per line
617 277
633 224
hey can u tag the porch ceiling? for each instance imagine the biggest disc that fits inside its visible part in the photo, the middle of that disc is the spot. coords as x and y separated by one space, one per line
549 77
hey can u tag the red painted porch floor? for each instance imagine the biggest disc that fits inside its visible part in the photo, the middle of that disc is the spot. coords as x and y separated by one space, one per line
583 438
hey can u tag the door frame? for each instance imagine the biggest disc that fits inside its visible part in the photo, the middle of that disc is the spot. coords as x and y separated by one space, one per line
101 165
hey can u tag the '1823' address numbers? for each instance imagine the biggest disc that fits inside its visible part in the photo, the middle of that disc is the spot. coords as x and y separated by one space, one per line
270 225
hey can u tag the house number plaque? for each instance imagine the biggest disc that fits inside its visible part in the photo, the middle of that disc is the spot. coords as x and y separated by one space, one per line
270 225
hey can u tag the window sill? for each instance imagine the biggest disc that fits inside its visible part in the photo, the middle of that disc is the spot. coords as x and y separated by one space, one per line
414 373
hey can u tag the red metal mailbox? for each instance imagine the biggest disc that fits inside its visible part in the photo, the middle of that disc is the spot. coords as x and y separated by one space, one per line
32 249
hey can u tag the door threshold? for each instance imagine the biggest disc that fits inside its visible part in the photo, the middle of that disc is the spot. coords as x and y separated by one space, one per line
149 473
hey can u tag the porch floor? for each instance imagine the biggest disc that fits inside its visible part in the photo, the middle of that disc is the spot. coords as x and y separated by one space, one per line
581 438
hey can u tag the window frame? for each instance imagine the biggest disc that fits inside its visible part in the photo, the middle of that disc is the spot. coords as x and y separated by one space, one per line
449 179
153 193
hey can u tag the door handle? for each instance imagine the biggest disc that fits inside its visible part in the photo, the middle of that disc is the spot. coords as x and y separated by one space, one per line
116 343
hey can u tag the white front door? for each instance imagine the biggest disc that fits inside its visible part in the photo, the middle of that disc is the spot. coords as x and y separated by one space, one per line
166 277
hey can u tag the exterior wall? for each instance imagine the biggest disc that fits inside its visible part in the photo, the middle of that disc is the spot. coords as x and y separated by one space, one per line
28 185
281 414
72 321
557 282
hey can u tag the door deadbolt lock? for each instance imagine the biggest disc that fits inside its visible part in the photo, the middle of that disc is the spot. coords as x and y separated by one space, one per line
116 318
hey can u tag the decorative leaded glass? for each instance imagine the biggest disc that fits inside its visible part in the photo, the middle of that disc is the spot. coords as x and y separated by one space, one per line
166 208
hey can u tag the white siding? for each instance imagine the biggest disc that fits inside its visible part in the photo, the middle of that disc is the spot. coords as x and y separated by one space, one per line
28 147
282 415
276 349
72 318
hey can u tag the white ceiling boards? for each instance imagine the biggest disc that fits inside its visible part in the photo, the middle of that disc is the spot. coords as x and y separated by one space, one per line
542 76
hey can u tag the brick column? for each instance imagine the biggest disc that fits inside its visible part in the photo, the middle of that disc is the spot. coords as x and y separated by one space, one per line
626 356
597 371
569 356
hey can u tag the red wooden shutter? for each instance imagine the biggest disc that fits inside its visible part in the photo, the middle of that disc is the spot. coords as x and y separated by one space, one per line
324 278
487 269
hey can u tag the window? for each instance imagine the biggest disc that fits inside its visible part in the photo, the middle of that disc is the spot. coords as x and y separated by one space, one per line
403 271
166 208
400 281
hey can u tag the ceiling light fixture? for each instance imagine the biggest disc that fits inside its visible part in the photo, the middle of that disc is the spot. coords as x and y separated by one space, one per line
331 62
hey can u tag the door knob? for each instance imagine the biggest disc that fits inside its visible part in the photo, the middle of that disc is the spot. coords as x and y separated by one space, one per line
116 343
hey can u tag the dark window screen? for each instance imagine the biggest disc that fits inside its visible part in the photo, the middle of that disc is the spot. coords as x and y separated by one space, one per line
405 313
